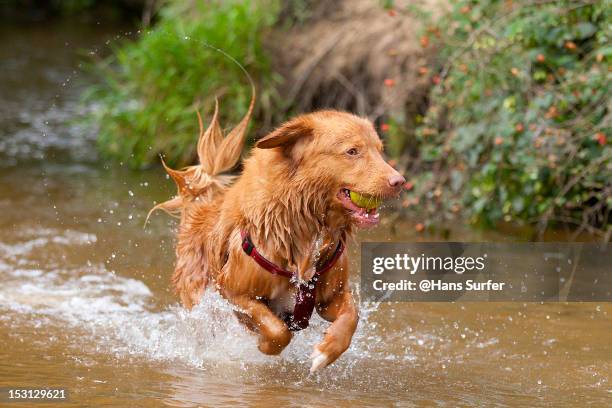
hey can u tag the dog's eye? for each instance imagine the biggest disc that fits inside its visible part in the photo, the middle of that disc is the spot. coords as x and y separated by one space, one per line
352 151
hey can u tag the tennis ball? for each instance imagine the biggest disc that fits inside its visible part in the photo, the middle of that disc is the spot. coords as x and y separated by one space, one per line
365 201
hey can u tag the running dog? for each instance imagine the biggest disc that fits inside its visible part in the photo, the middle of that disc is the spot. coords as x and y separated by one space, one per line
271 240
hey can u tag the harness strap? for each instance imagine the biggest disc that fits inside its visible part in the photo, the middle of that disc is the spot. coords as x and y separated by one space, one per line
305 298
250 250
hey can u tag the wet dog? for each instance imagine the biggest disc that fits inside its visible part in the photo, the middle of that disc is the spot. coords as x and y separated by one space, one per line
304 189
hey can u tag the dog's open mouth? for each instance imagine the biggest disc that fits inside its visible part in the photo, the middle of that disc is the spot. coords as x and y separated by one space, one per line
362 207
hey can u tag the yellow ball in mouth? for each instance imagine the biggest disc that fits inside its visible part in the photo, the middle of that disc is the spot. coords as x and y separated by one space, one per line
364 201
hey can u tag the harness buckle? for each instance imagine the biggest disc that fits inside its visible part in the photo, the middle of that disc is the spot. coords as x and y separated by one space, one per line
247 245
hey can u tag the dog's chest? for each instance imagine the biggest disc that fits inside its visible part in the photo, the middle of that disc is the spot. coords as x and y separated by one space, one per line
283 300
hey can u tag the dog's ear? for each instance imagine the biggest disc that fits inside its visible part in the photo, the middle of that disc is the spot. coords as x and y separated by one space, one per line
286 135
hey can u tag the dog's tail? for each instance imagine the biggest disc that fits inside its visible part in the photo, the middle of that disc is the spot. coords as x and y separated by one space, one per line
216 154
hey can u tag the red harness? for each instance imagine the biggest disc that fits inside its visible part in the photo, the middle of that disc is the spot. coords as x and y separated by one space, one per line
305 299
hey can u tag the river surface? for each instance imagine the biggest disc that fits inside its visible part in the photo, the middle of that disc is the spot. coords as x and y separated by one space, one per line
85 301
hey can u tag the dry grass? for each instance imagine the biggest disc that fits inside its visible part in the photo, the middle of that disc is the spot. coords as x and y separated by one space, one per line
342 54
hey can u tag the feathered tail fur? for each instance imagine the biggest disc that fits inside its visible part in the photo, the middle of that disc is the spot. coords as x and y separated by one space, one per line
216 154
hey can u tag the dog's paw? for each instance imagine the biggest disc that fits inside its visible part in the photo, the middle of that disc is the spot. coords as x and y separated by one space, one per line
319 360
327 351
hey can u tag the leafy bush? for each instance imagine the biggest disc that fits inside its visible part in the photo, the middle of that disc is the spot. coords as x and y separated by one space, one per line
518 127
152 87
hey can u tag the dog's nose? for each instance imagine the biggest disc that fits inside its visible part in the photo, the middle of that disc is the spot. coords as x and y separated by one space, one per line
396 180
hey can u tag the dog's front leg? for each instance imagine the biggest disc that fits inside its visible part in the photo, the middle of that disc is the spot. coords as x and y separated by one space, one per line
342 312
273 332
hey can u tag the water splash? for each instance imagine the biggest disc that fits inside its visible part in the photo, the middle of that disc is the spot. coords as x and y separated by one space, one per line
121 315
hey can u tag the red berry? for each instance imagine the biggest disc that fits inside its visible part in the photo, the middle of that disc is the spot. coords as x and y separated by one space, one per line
601 138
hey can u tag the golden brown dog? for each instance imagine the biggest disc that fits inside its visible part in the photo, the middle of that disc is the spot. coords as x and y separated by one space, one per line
293 199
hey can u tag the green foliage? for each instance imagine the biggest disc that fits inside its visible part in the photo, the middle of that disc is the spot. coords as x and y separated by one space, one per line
518 128
152 87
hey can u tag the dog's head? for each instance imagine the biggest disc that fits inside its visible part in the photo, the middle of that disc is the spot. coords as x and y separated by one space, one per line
345 151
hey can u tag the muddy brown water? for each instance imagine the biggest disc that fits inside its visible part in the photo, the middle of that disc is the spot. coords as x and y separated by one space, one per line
85 304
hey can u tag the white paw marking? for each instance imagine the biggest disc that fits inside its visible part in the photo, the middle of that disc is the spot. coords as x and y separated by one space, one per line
319 360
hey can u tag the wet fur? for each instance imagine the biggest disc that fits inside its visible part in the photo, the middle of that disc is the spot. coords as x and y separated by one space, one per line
286 199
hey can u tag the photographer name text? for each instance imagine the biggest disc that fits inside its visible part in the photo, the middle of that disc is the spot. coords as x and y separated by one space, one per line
429 285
